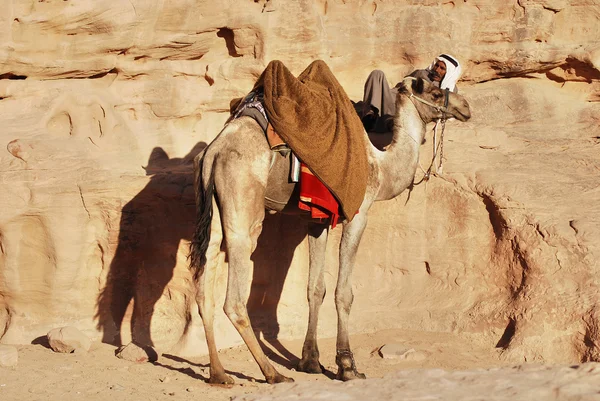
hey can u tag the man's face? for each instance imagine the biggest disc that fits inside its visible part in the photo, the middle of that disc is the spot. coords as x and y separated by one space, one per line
439 71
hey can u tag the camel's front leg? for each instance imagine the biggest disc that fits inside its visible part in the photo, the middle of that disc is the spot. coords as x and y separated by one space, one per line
317 243
343 295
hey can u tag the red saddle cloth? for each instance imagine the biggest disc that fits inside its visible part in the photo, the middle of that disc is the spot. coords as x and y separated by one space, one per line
316 198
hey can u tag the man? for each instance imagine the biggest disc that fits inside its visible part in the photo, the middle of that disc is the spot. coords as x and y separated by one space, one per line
379 100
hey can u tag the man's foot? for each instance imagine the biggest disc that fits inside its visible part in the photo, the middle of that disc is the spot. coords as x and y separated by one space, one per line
369 120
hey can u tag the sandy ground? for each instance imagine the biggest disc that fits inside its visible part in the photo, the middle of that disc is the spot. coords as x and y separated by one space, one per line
42 374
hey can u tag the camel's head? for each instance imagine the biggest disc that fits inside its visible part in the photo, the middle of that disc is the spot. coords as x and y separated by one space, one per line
433 102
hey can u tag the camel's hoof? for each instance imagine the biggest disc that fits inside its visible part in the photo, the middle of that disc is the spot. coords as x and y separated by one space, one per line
221 379
309 366
279 378
347 366
349 374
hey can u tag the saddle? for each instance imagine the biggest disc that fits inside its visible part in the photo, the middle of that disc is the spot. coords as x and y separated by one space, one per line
252 106
315 197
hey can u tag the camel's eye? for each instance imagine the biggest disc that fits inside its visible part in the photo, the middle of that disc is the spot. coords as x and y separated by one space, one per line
437 95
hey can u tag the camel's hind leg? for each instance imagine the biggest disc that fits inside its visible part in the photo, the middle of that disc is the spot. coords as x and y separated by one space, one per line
206 301
317 241
242 225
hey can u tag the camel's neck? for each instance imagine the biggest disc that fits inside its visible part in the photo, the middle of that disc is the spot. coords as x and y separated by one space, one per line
399 162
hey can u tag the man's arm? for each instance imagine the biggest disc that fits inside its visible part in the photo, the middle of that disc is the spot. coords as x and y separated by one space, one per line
418 74
424 74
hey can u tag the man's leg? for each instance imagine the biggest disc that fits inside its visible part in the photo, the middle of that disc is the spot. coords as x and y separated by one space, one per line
378 99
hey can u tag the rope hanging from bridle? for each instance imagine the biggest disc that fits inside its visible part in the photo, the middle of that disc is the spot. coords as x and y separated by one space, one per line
437 147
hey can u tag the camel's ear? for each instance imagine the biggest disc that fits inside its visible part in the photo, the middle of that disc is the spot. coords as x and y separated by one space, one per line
402 87
417 86
156 161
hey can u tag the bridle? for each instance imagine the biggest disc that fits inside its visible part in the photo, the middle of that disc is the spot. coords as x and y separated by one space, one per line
441 109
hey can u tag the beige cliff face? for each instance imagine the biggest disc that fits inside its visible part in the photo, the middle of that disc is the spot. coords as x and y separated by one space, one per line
103 105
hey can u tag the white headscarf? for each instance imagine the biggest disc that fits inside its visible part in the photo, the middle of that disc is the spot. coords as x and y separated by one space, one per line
453 71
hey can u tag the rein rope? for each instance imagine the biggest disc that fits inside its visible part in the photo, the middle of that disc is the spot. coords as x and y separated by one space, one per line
436 146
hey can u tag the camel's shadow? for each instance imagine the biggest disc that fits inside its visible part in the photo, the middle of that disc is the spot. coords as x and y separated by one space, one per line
152 225
190 372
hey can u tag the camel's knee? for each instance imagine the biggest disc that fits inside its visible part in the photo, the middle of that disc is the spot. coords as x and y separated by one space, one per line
343 300
237 314
238 242
317 294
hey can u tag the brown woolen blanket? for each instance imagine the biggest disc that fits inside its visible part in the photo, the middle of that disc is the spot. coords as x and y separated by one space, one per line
314 115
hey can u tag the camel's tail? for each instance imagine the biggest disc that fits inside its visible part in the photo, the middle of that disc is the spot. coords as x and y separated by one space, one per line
204 213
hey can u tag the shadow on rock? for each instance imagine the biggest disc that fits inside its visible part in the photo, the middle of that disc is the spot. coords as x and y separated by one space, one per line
152 226
43 341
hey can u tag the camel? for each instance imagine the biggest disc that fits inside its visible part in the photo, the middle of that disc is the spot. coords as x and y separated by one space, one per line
236 182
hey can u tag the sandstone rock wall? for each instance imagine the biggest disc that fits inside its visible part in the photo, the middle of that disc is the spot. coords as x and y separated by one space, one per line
104 104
